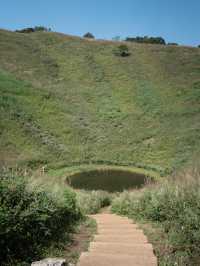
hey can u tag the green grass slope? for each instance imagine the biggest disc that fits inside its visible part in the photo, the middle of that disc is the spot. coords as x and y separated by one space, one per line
65 99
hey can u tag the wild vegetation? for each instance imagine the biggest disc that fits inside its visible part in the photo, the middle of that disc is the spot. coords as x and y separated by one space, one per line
66 100
173 43
91 202
70 105
122 50
146 39
172 206
35 29
32 219
88 35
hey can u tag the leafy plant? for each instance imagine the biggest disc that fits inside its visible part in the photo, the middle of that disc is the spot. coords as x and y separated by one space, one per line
122 50
31 219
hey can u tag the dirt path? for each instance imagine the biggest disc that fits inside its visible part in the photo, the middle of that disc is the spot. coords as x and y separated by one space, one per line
118 243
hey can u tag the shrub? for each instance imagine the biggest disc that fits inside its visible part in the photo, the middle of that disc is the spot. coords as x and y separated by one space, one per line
122 50
173 43
88 35
36 28
146 39
175 205
90 202
31 220
41 28
26 30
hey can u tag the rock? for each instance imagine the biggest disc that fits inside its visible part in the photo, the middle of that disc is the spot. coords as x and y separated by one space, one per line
50 262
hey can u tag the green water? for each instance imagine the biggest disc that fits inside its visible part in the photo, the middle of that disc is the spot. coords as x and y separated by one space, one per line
109 180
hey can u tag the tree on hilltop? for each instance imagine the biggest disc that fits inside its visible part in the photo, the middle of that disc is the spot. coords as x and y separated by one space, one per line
146 39
35 29
88 35
173 43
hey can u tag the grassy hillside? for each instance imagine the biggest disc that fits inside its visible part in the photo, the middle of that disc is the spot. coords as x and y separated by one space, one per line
65 99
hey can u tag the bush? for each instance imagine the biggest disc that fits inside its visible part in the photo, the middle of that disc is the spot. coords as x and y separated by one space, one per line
90 202
175 205
146 39
122 50
26 30
31 220
173 43
88 35
35 29
41 28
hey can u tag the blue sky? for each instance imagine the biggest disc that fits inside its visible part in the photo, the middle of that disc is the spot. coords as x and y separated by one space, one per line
175 20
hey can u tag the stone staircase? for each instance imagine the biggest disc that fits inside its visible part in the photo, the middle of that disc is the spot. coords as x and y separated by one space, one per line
118 243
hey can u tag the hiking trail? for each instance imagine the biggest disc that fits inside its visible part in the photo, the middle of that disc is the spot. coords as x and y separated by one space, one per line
118 242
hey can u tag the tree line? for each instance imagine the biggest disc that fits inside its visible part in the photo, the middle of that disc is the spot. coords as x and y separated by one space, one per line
34 29
89 35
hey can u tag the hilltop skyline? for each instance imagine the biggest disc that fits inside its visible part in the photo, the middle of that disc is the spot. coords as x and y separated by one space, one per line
176 21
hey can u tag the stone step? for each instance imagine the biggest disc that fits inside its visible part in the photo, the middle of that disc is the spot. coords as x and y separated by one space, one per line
110 217
121 248
115 231
114 226
122 234
102 259
118 242
121 238
117 253
106 215
111 221
96 216
114 220
124 246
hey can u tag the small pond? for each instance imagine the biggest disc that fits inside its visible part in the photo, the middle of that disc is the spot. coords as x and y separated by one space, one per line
109 180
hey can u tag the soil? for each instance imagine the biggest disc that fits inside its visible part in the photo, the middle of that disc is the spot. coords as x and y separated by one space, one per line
80 241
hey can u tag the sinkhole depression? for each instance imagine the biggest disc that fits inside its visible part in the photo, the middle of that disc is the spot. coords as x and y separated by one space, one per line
112 180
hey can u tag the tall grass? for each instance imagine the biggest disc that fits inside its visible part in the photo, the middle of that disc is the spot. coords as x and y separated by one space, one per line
88 201
91 202
174 205
107 114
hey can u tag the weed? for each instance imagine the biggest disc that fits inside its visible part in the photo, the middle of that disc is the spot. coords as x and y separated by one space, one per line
91 202
173 204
